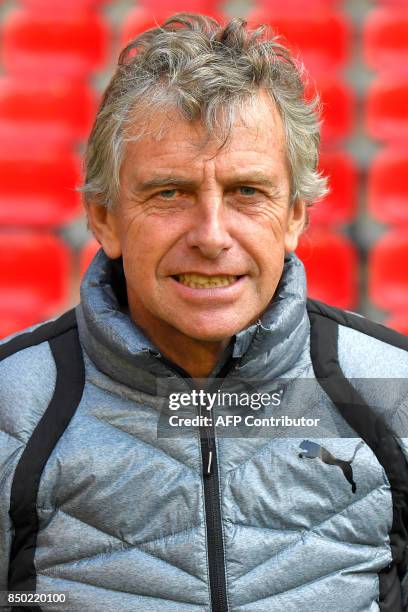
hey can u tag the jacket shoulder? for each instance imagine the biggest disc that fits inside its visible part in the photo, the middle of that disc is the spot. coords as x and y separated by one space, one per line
365 349
28 376
37 334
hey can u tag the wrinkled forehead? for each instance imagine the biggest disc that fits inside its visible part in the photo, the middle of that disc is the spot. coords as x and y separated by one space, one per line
256 118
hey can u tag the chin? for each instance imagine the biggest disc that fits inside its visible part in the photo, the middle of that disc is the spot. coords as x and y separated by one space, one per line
211 332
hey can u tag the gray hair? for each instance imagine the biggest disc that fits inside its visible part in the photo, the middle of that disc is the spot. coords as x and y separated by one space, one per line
206 72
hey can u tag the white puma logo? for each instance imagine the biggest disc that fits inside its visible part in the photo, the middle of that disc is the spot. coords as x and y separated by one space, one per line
311 450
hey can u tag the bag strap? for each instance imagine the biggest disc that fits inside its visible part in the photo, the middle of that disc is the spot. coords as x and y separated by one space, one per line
62 336
371 428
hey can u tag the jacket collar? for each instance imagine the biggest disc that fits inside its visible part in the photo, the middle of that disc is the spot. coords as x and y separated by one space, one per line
270 348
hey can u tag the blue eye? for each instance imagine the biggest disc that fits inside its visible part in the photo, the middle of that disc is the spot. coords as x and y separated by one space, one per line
167 194
247 191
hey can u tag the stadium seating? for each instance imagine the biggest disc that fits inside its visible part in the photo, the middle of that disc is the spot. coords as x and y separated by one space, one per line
339 206
386 116
34 278
331 264
338 108
296 5
399 322
39 190
388 271
58 6
322 37
87 254
59 111
386 40
387 187
205 7
13 322
138 20
143 18
396 4
48 45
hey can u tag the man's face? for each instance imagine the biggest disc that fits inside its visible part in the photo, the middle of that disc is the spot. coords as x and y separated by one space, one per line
203 229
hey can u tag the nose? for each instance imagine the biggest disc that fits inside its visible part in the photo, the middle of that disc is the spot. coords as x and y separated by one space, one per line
209 232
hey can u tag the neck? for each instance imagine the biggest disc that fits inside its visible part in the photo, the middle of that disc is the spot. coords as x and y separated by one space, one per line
197 357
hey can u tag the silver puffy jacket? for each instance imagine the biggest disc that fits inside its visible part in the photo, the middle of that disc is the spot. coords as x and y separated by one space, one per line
96 504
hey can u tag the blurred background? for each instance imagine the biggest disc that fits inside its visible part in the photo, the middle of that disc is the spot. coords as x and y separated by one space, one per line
56 57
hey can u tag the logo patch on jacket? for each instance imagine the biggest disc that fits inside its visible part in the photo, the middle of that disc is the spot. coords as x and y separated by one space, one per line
311 450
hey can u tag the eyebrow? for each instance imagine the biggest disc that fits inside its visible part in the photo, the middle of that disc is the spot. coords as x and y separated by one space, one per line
256 177
163 181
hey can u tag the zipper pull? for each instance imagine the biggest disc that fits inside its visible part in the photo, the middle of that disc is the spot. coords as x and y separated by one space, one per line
208 459
209 464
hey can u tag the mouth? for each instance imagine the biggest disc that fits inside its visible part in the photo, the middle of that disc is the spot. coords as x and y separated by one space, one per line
200 281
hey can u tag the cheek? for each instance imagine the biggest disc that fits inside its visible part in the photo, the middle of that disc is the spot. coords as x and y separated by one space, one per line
136 250
272 262
265 221
145 243
268 253
264 240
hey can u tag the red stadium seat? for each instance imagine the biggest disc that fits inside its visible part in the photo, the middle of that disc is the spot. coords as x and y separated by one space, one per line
59 6
39 190
13 322
297 5
143 18
338 106
139 20
48 45
388 271
322 38
58 111
331 264
34 277
386 40
386 116
399 322
206 7
387 187
88 253
339 206
400 4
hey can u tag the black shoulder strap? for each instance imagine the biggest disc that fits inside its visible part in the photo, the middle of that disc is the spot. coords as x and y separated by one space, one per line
370 427
62 336
357 322
42 333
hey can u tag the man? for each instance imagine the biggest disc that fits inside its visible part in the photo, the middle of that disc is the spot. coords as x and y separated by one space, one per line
199 170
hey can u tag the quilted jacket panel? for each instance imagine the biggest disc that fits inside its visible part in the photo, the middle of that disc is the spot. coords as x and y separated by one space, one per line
122 522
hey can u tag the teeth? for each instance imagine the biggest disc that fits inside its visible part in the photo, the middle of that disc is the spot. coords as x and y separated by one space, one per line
197 281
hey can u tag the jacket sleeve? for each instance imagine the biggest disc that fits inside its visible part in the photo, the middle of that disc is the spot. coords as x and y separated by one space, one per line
10 450
404 586
27 381
11 447
404 581
400 428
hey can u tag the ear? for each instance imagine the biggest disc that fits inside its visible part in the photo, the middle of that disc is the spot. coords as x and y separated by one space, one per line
104 225
297 221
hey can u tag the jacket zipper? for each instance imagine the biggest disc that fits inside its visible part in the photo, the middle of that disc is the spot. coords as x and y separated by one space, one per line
215 543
